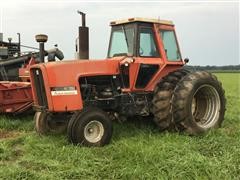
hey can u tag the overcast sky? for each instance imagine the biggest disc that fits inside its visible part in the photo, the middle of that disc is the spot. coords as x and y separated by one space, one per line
208 31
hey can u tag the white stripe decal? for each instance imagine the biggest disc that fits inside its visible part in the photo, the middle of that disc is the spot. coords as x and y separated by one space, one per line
62 93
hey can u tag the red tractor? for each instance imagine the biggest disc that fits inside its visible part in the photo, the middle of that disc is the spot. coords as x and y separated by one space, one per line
143 75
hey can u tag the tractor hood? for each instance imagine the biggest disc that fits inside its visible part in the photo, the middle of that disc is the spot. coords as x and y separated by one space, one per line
63 77
67 73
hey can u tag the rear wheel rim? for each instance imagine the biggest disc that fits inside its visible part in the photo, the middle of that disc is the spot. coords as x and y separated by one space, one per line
206 106
93 131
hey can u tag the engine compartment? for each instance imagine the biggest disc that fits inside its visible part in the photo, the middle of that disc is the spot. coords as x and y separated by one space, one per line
105 92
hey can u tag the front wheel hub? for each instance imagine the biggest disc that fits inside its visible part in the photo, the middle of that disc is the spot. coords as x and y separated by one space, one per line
93 131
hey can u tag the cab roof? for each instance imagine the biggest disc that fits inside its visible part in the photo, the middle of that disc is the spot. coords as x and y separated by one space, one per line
138 19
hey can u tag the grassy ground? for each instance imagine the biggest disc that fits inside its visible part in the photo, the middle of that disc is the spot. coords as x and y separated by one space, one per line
137 151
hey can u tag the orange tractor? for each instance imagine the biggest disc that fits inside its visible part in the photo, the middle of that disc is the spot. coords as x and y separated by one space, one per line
143 75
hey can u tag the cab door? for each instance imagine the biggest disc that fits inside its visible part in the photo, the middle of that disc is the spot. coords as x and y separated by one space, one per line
148 62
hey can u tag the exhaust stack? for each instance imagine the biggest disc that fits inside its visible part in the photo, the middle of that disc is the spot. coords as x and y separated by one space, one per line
41 39
83 39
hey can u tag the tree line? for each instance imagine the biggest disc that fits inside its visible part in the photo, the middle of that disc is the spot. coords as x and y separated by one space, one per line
215 68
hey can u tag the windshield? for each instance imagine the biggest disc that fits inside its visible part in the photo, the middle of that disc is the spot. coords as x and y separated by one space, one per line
121 42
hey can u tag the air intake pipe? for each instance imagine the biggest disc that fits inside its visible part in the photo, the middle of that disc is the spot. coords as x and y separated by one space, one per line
83 40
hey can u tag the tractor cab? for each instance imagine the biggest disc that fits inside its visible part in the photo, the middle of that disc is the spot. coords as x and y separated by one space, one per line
152 45
146 38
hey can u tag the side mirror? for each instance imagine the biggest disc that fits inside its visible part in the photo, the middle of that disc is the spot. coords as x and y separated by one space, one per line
186 60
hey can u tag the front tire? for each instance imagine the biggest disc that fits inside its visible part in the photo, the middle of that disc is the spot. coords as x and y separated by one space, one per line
46 123
199 103
90 127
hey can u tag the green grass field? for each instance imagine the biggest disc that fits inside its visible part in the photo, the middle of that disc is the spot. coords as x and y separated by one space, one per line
137 151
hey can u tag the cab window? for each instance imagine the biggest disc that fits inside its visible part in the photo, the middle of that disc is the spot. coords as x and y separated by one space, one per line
147 46
122 41
170 45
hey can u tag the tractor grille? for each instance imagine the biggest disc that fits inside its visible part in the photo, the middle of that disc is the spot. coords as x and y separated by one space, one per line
39 87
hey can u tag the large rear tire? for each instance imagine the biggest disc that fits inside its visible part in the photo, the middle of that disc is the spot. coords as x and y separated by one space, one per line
161 103
90 127
199 103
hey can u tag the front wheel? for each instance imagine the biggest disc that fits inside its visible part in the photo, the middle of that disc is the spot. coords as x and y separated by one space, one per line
198 103
49 123
90 127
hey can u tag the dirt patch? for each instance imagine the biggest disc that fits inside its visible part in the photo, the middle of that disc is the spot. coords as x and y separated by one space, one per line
4 134
13 149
